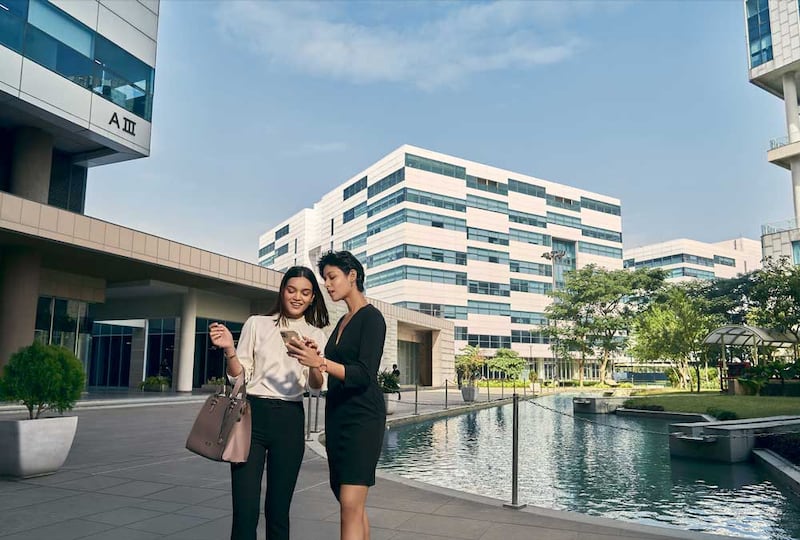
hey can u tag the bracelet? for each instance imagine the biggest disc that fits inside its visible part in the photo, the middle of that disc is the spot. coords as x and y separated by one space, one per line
323 366
228 357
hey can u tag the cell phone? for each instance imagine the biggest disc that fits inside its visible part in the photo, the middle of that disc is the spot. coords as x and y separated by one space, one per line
287 336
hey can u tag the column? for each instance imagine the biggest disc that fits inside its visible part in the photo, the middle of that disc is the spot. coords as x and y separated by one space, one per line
138 355
19 290
186 349
795 165
31 164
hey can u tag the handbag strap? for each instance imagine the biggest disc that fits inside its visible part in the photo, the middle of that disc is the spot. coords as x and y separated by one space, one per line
239 387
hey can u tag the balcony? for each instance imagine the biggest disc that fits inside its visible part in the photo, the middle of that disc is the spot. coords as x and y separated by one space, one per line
782 151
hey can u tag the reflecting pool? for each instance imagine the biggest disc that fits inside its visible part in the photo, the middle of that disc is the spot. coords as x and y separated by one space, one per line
610 466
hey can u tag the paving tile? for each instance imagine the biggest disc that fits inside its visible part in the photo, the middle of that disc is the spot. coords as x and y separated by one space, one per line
64 530
136 488
167 523
93 483
203 512
158 506
123 516
187 495
18 499
217 529
445 526
121 533
503 531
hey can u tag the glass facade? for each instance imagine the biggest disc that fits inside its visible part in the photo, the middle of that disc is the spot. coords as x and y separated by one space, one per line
535 287
759 33
565 262
529 237
64 323
487 204
409 251
485 184
283 231
386 182
597 249
796 252
110 363
490 237
434 166
599 206
524 218
489 288
354 188
41 32
353 213
433 275
436 310
526 189
690 272
209 361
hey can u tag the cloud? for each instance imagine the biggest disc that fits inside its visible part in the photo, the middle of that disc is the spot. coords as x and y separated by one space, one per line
428 45
313 148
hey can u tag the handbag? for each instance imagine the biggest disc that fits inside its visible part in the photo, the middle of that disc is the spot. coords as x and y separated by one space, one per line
221 431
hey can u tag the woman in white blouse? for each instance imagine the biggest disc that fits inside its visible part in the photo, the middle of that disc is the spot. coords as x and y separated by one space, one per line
275 386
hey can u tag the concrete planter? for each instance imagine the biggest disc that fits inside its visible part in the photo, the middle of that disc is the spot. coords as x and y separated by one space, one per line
35 447
155 387
391 405
469 393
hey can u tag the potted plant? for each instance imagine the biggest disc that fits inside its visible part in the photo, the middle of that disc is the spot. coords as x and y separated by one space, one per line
468 368
390 384
533 377
214 384
155 383
44 378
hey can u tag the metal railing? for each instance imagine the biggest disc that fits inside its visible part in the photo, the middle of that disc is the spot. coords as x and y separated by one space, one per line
778 142
779 226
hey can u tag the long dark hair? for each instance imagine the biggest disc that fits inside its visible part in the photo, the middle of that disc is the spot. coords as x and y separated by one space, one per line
344 261
316 314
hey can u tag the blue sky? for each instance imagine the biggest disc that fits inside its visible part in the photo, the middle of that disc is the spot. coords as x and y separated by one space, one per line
261 108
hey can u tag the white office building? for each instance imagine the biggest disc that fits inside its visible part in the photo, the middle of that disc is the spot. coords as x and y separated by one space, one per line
773 39
685 259
76 91
461 240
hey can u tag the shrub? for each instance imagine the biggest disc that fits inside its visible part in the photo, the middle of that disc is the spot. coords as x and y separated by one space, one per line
388 381
43 378
219 381
155 382
639 406
722 414
787 445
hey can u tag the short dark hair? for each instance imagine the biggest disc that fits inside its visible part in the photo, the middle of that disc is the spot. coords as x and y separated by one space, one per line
316 314
344 261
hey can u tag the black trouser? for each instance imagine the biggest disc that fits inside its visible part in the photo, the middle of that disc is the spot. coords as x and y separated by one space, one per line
278 435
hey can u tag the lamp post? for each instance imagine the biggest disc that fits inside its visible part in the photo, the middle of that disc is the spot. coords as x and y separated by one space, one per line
556 256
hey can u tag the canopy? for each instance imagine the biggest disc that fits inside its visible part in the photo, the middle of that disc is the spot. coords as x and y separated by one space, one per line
750 335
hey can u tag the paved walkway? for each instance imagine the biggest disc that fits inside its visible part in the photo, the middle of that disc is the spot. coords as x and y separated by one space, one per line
129 477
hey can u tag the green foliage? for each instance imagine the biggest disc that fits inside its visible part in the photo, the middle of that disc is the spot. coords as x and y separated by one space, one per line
775 296
508 362
388 381
641 405
469 364
219 381
722 414
43 377
155 381
787 445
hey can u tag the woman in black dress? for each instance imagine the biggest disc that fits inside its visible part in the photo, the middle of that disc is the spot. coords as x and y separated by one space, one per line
355 414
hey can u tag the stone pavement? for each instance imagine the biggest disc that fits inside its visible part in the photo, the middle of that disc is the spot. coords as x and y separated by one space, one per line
129 477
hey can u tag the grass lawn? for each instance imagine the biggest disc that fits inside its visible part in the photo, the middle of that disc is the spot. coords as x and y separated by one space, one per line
743 406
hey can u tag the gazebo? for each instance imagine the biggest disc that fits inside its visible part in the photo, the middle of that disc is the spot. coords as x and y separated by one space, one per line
742 335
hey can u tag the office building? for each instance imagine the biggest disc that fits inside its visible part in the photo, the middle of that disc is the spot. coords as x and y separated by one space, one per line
76 91
772 30
685 259
468 242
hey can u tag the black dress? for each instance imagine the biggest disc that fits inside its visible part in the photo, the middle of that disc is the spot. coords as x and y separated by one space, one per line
355 414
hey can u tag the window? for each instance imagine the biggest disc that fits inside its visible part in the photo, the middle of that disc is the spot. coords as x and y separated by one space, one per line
423 253
796 252
386 182
563 202
433 275
487 255
597 249
353 213
673 259
759 33
526 189
566 221
488 308
417 217
266 249
438 167
485 341
356 241
533 287
489 288
460 333
528 237
527 219
436 310
487 204
527 267
599 206
528 336
725 261
283 231
491 237
283 250
484 184
603 234
689 272
354 188
415 196
526 317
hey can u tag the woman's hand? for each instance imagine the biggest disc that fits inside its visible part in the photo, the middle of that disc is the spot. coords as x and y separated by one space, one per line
306 353
220 336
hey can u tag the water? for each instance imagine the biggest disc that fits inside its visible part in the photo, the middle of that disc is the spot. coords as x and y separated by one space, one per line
567 464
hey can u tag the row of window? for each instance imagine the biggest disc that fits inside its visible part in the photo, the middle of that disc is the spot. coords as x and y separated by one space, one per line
266 249
529 336
515 216
527 267
725 261
408 215
670 259
423 253
563 202
528 237
386 182
353 213
419 197
689 272
491 237
597 249
50 37
527 317
566 221
487 255
434 166
485 184
526 189
355 187
483 203
283 231
437 310
488 341
489 288
759 33
488 308
602 234
357 241
416 273
535 287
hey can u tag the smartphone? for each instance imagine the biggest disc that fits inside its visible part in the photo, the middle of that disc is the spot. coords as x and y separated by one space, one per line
287 336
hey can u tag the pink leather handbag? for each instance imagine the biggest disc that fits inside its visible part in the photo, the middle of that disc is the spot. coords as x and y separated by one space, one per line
221 431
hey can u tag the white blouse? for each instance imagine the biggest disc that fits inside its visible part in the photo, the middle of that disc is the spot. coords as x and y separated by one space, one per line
268 369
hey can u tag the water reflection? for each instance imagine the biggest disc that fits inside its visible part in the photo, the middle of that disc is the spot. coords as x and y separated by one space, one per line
592 468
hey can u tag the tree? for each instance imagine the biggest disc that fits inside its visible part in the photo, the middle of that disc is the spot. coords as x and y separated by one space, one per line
673 329
508 362
469 364
598 306
775 297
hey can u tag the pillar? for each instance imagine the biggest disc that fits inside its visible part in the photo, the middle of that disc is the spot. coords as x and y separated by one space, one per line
31 164
186 350
19 290
138 356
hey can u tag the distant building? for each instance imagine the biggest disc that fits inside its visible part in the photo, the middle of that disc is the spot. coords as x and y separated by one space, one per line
461 240
773 41
685 259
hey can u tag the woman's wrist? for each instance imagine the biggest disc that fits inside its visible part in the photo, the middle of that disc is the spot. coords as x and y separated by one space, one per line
323 365
229 352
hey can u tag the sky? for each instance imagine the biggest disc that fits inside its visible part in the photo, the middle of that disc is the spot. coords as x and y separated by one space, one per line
262 107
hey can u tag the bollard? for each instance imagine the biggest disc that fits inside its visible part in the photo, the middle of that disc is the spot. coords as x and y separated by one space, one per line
308 423
445 394
515 459
316 414
502 388
416 398
488 396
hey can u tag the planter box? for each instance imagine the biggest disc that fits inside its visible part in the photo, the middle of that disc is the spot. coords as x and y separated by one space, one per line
35 447
213 388
155 388
469 393
391 405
